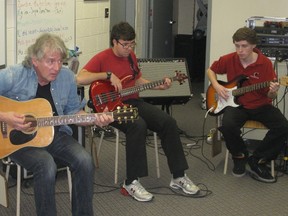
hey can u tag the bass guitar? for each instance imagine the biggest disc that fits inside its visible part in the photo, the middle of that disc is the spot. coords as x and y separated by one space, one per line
102 93
39 112
216 105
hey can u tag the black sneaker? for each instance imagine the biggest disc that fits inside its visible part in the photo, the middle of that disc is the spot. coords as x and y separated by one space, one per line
239 168
259 170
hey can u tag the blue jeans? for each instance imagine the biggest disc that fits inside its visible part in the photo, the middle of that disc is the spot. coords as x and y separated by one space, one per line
40 161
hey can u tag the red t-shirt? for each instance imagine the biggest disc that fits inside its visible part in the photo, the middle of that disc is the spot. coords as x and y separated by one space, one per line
258 72
119 66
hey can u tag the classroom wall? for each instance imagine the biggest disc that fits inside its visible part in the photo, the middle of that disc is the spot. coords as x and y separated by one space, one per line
92 29
226 16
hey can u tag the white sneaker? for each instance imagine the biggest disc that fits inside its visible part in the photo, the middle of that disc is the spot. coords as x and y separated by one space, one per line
185 184
137 191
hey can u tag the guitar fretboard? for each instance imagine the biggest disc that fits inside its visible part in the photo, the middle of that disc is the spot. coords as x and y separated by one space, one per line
65 120
250 88
143 87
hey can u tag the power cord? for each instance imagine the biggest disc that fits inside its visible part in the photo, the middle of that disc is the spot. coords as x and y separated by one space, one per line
204 192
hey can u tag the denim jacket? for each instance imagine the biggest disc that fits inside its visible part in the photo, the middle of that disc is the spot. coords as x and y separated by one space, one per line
20 83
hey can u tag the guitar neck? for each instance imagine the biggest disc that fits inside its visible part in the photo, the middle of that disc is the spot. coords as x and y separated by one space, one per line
66 119
143 87
250 88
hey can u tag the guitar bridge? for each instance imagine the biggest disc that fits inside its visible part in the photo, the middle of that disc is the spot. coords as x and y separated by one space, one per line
98 100
4 129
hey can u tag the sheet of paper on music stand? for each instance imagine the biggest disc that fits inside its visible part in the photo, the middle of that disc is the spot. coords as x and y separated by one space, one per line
3 191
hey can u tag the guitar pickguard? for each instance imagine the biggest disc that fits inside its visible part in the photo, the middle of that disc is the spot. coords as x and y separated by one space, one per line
18 137
222 103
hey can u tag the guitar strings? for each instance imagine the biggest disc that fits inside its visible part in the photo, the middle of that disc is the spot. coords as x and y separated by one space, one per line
112 96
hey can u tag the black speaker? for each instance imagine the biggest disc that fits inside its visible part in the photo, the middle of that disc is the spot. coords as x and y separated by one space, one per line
193 49
155 69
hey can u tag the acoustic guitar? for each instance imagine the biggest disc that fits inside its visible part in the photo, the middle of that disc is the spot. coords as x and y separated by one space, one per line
217 105
102 93
39 112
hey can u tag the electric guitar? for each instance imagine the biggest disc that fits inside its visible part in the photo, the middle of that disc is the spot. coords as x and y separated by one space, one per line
39 112
218 104
103 94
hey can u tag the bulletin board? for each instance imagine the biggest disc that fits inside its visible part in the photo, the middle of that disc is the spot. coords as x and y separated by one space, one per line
2 34
37 17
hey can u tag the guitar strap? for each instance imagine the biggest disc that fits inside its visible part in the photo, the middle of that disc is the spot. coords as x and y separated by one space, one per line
135 72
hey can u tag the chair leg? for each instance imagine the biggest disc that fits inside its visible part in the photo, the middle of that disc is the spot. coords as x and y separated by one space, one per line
100 143
94 151
18 189
69 178
273 168
156 154
8 164
116 155
226 162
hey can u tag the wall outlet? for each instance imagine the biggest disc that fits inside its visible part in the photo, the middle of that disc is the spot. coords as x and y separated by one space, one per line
106 13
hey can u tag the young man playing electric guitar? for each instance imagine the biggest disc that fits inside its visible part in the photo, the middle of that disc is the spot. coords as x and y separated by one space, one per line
118 67
254 105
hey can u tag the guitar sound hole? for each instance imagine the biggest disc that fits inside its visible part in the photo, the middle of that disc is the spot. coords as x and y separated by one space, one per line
18 137
33 126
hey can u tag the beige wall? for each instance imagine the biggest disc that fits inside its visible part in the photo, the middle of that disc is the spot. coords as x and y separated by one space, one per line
226 16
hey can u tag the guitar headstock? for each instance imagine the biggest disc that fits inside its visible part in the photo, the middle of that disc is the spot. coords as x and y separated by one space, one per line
125 114
180 77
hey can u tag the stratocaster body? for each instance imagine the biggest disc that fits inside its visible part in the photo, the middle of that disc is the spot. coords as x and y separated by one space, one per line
216 104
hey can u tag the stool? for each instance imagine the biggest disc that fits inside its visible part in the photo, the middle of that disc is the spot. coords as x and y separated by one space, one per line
252 125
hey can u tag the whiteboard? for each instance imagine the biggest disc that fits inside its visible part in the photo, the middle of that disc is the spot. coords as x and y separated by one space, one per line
2 34
37 17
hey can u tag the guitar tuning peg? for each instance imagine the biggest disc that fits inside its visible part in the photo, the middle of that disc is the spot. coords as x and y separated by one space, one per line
119 120
131 108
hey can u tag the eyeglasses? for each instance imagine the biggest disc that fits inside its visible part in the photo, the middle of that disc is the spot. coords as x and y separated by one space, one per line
127 45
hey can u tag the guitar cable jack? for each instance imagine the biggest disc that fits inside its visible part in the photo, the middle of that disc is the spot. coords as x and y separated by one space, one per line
208 111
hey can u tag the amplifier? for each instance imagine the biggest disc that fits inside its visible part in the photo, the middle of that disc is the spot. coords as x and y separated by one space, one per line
280 53
273 40
155 69
271 30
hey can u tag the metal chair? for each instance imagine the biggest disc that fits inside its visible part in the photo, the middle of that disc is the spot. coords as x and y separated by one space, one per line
8 162
96 152
251 125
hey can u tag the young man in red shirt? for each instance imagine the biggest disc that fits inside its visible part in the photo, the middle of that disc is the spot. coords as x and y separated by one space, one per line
254 105
118 65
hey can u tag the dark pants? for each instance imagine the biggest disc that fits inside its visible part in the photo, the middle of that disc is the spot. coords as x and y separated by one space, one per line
270 116
154 119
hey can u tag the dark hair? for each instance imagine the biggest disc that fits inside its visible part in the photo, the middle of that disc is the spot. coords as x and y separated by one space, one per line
122 30
245 33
